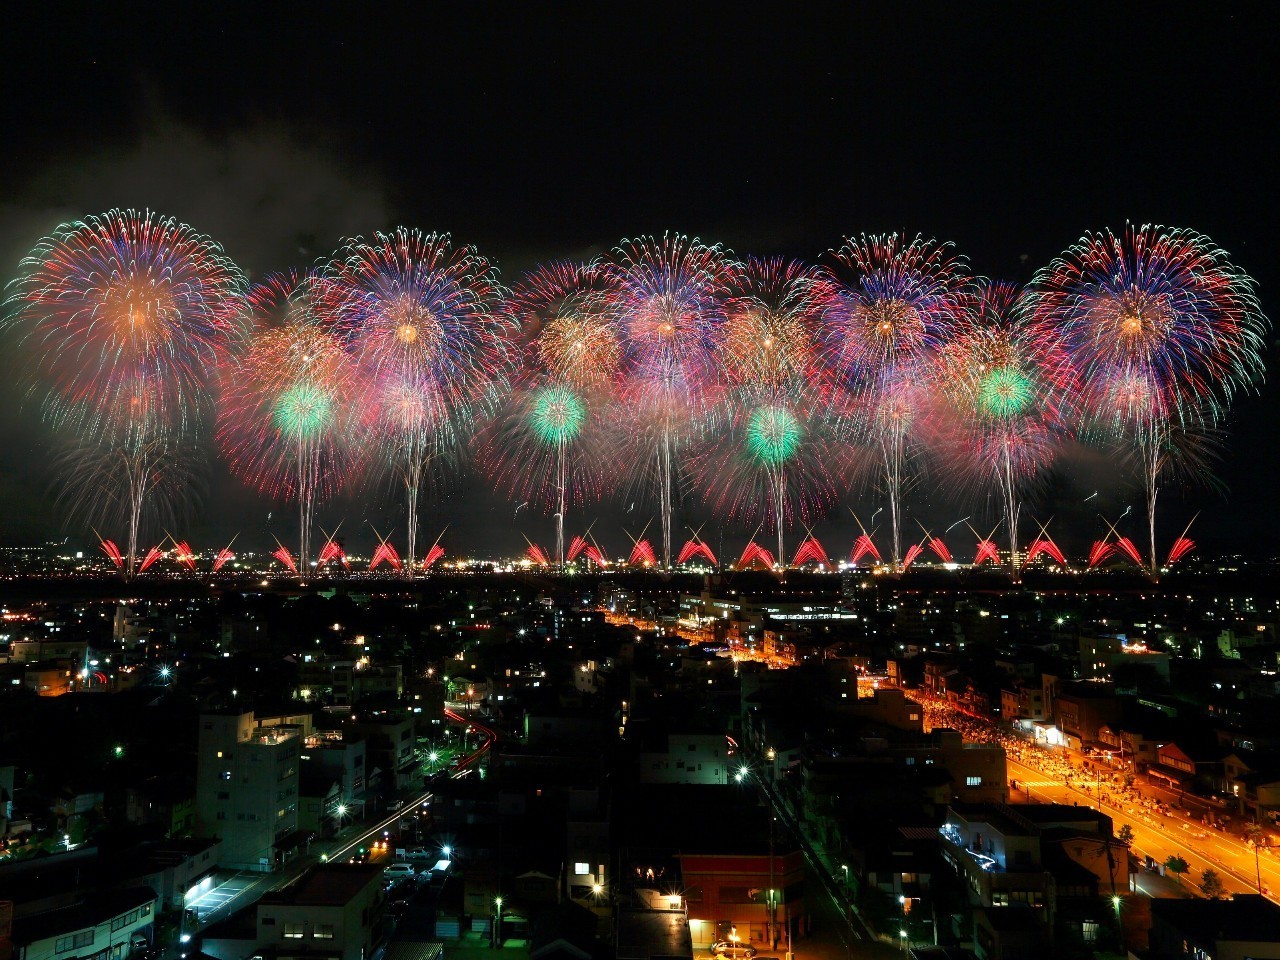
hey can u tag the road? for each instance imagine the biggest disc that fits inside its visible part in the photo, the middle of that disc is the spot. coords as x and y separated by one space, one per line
245 888
1164 823
854 933
1160 836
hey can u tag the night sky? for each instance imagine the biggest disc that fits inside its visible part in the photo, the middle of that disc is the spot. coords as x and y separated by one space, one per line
547 130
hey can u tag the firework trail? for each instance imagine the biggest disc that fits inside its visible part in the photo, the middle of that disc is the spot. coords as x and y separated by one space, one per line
425 323
670 306
288 422
891 302
123 317
1163 330
1005 388
549 444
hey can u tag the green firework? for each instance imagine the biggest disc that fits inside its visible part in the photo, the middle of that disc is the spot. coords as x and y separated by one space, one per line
1005 392
773 435
556 415
303 411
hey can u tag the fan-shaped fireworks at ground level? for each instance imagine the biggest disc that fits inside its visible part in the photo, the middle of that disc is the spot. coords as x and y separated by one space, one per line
668 366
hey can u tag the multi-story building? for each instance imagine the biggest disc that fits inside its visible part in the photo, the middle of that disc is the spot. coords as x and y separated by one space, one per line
1082 709
688 758
247 787
1056 859
101 926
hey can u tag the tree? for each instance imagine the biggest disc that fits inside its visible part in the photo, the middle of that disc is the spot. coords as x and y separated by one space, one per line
1211 885
1125 835
1177 866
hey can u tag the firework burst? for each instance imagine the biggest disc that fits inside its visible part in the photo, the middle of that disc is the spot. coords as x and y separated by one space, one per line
1005 389
425 323
287 422
892 301
671 307
1163 330
771 456
548 447
123 316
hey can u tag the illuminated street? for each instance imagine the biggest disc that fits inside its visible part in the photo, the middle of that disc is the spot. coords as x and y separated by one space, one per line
1042 774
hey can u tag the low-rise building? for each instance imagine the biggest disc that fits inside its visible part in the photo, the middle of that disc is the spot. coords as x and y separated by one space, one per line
1246 926
102 926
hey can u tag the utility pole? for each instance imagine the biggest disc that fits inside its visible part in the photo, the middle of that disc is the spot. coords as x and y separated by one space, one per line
772 908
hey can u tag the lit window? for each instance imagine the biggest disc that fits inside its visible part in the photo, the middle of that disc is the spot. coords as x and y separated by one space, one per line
324 931
293 931
581 869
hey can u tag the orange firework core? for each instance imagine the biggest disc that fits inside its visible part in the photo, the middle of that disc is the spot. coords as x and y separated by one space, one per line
406 333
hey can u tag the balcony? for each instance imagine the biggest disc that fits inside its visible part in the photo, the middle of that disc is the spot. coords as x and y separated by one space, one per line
953 840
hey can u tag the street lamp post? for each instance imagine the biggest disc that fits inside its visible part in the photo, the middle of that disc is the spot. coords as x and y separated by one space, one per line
497 922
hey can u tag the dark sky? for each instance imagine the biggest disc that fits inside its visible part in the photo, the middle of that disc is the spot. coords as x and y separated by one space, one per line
548 130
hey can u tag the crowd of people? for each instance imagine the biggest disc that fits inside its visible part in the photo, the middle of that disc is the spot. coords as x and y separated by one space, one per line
1101 781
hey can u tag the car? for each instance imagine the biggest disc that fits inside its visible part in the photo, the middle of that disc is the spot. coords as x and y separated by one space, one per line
733 950
400 871
415 853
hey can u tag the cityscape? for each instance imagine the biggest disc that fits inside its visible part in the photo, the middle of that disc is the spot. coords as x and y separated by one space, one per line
639 483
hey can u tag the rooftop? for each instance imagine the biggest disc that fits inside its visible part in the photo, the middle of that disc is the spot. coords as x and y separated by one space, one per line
91 911
331 885
1245 917
644 934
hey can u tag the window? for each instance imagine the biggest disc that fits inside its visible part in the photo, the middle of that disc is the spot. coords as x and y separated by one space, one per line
268 921
293 931
324 931
581 869
973 781
226 774
122 921
81 939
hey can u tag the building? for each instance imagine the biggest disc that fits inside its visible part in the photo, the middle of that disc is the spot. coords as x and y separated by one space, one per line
1059 861
1082 710
688 758
178 871
753 898
332 911
1245 926
103 926
247 787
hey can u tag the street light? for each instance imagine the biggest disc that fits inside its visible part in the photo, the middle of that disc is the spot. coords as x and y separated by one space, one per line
902 935
497 925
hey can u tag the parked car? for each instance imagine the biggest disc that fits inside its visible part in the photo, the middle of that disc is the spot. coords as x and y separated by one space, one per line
400 871
415 853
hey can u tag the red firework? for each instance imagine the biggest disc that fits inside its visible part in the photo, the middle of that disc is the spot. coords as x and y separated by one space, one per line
695 548
753 553
811 551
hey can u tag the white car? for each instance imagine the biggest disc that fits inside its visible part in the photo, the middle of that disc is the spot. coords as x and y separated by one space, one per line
400 871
